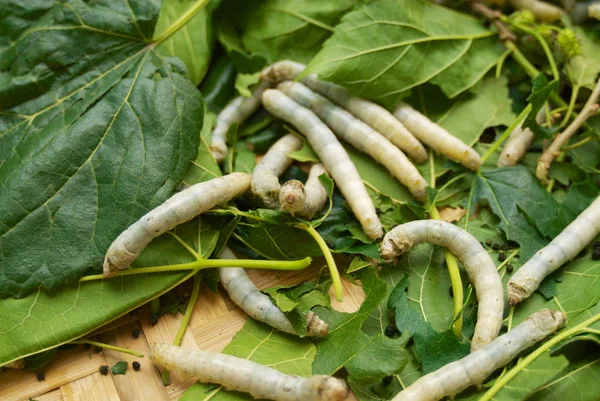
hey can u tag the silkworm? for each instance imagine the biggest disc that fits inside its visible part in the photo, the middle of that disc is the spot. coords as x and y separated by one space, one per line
359 135
436 137
304 200
179 208
239 374
259 306
332 155
541 10
582 11
594 10
265 177
561 249
473 369
478 264
236 111
371 113
518 142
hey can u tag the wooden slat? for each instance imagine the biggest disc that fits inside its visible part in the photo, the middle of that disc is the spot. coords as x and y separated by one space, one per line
95 387
54 395
142 385
67 366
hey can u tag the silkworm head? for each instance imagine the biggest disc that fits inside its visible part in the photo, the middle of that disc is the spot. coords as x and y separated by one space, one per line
549 320
292 196
395 243
332 389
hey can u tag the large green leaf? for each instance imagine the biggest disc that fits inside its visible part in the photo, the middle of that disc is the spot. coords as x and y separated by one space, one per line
265 345
278 29
96 129
193 43
382 49
583 69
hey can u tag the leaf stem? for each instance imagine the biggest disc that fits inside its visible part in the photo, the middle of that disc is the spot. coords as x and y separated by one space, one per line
578 144
166 374
565 333
201 264
333 270
506 133
181 21
108 346
542 43
455 281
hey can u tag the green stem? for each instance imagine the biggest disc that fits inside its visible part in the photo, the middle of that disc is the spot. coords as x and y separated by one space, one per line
210 263
506 133
181 21
455 281
108 346
521 59
542 43
501 62
566 333
578 144
166 374
335 274
571 106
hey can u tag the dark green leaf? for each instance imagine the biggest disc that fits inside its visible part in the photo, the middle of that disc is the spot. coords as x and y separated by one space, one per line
217 86
383 49
97 129
381 357
539 94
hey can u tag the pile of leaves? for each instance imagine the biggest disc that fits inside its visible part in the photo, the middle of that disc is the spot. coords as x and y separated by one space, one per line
106 110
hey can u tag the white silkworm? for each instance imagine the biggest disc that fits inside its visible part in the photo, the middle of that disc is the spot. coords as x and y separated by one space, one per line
265 177
473 369
179 208
516 146
561 249
259 381
593 10
236 111
332 154
304 200
359 135
518 142
541 10
436 137
371 113
478 264
259 306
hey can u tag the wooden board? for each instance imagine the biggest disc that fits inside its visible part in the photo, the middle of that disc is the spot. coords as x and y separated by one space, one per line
74 374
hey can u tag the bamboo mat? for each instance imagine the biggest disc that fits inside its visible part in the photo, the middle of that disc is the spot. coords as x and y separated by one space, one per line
74 374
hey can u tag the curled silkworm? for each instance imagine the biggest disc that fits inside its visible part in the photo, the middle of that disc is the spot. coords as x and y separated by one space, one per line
541 10
265 177
518 142
371 113
478 264
360 135
179 208
236 111
304 200
239 374
436 137
473 369
259 306
332 155
564 247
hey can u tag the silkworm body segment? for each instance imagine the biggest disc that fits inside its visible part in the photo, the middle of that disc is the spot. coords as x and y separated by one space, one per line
236 111
243 375
360 135
371 113
478 264
181 207
265 177
473 369
436 137
561 249
259 306
332 155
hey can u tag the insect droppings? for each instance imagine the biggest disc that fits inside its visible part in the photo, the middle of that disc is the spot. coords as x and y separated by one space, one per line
136 333
103 369
136 366
41 376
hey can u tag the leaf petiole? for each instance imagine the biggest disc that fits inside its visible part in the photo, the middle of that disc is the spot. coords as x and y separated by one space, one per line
333 270
108 346
181 21
201 264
